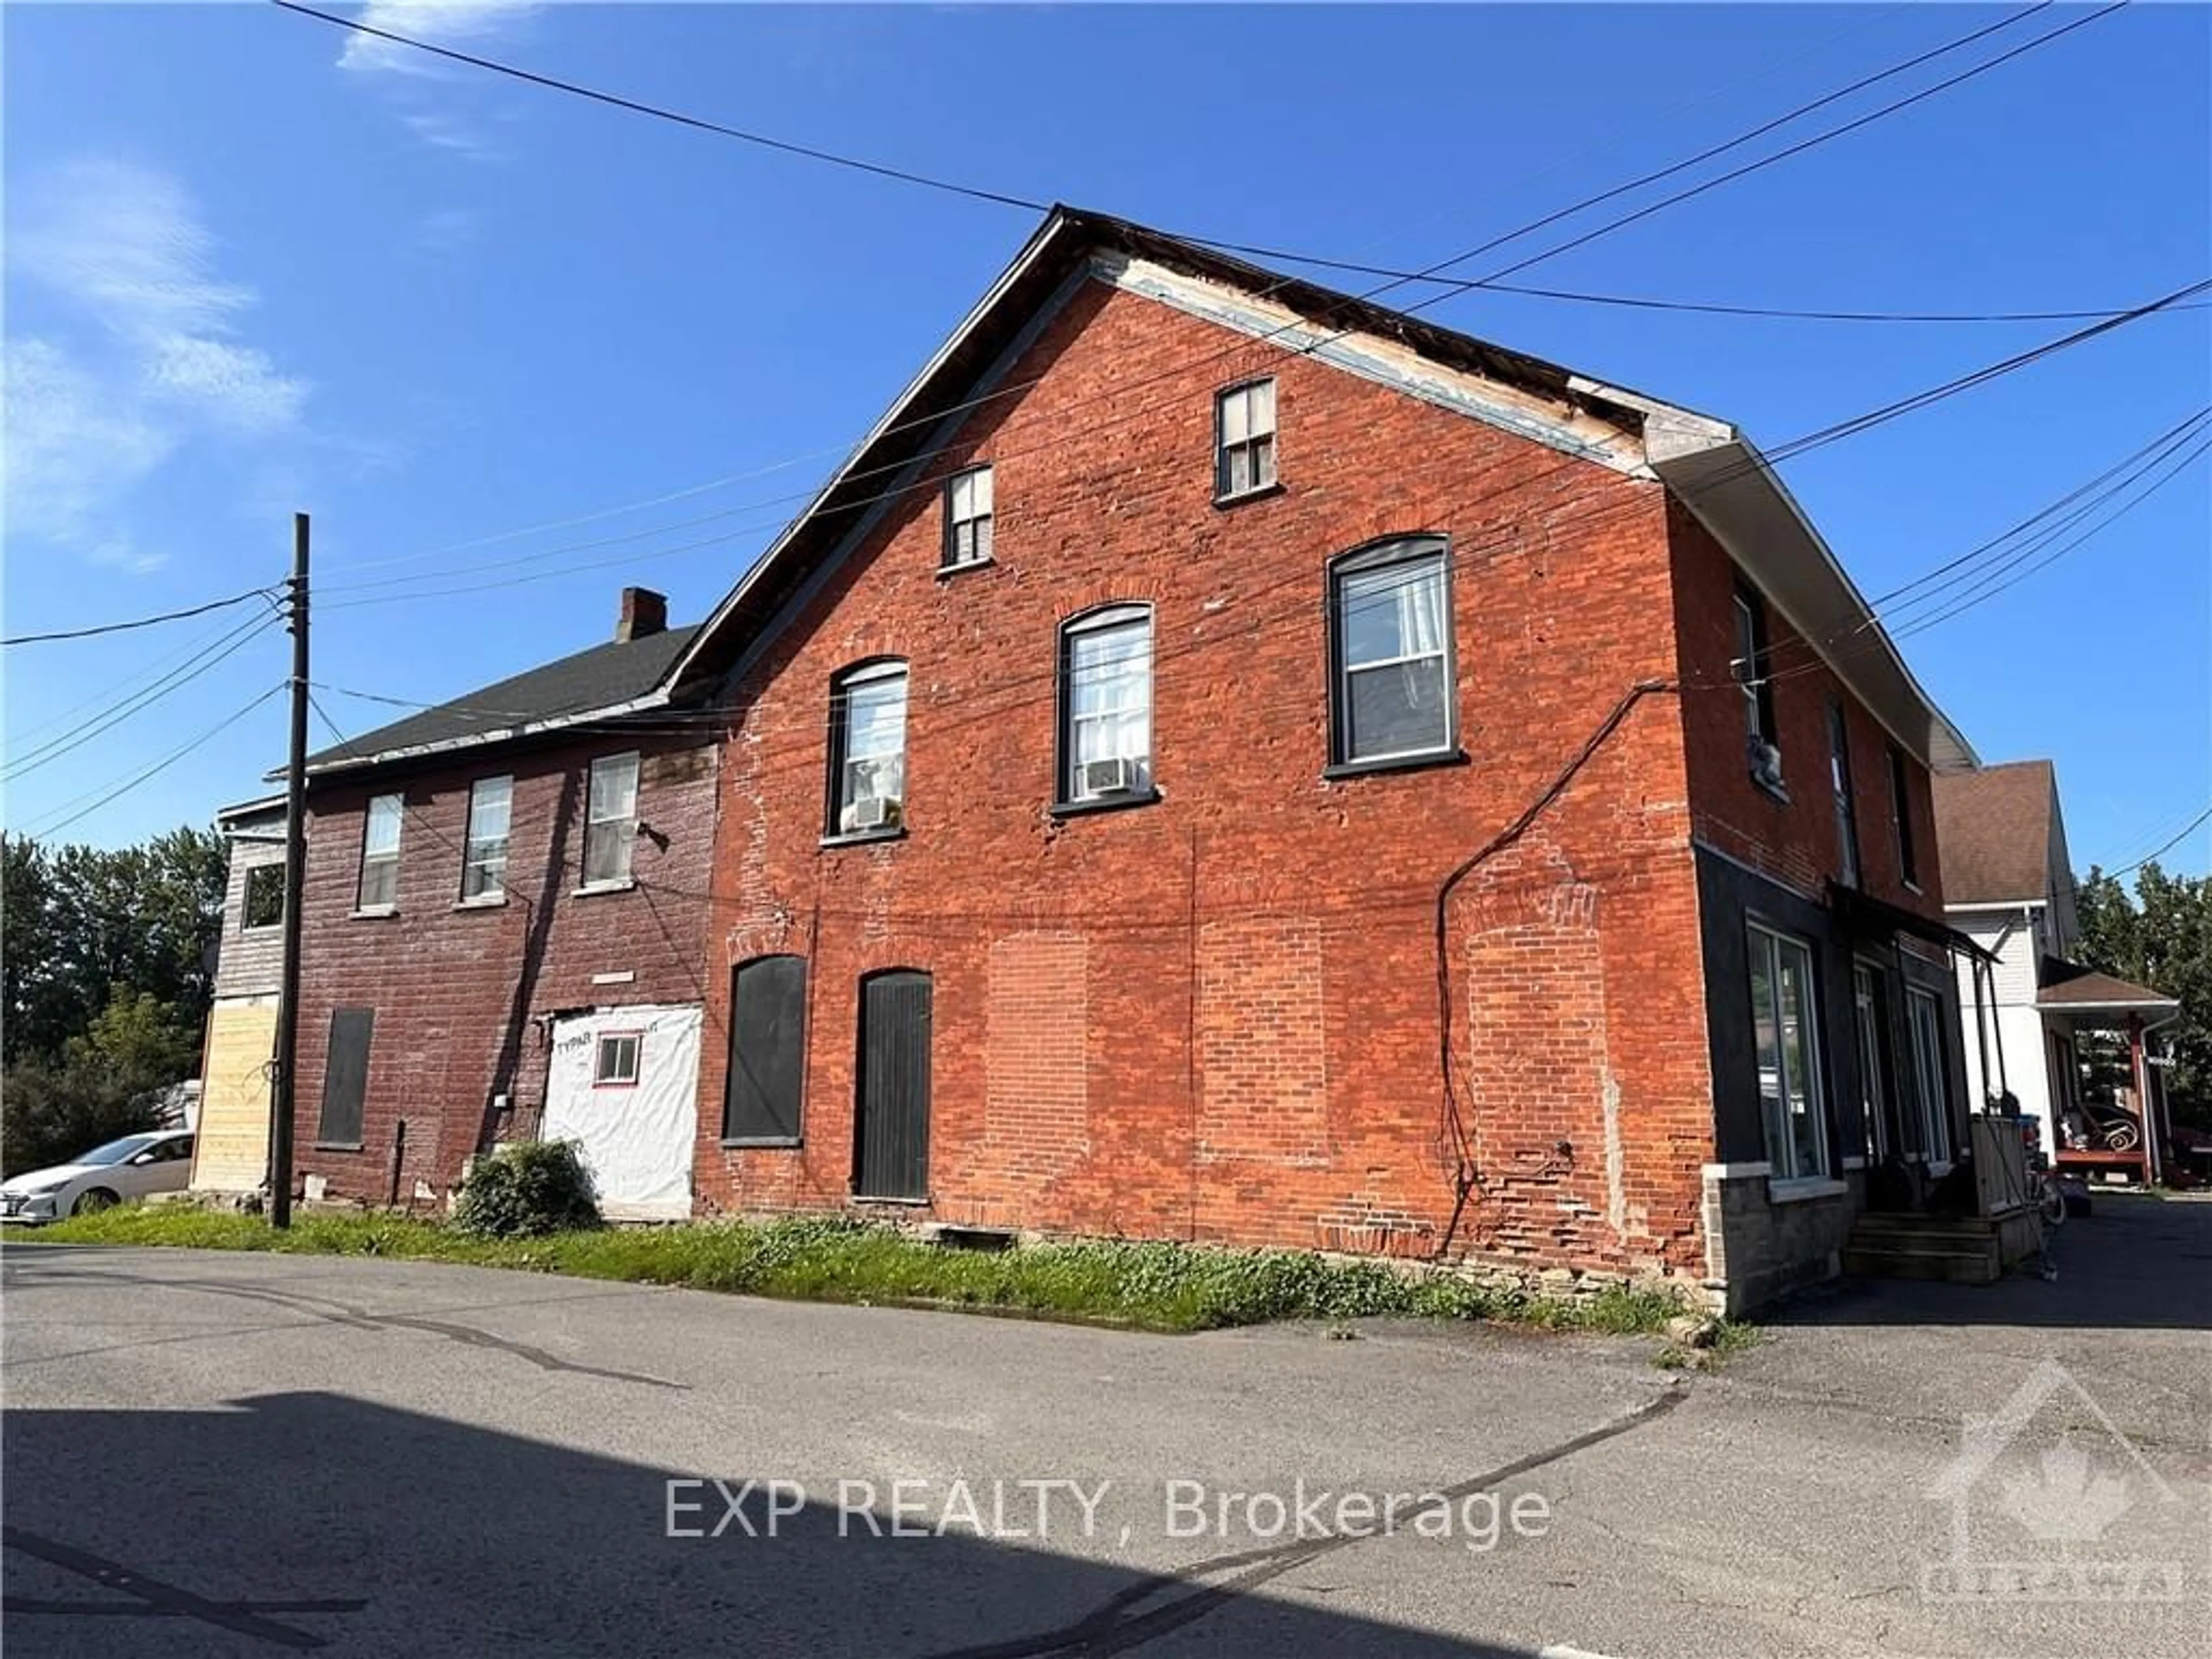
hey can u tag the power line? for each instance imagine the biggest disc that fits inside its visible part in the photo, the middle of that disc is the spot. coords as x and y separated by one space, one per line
1790 450
1818 139
830 452
139 621
1774 313
1467 551
2163 847
2170 433
56 826
638 106
1990 585
997 698
201 663
1398 279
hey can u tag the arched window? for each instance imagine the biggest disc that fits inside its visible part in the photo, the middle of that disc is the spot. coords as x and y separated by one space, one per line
867 750
1391 681
1106 706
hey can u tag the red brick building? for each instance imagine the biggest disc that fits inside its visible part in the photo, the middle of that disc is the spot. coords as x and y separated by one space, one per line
504 897
1222 761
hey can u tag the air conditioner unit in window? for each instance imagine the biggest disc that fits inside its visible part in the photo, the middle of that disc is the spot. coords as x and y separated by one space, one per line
1765 762
1117 776
871 813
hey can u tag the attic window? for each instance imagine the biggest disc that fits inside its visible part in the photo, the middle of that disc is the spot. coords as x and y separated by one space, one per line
1244 441
967 518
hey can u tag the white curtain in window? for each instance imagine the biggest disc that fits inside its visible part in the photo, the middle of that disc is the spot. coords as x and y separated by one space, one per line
1421 629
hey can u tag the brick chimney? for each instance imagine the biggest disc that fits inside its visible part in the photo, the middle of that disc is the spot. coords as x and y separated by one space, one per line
644 613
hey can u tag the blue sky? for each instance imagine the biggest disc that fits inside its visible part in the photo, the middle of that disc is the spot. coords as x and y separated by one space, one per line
250 268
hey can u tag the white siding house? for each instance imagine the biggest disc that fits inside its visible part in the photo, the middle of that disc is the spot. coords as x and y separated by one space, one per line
2008 885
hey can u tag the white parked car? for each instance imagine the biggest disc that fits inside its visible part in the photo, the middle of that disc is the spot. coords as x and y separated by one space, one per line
160 1162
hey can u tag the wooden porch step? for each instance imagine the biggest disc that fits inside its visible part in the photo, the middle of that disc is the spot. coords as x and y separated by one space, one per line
1950 1267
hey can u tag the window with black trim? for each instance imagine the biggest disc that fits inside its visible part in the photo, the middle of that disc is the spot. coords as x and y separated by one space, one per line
967 518
379 889
1390 651
1924 1022
1839 783
867 750
763 1096
611 820
1106 706
1785 1021
1900 816
1752 671
484 865
1244 440
265 897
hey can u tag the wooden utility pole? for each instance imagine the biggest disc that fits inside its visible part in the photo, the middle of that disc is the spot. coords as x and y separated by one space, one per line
281 1095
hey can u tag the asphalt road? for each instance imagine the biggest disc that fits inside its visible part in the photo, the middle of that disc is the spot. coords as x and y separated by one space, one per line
227 1454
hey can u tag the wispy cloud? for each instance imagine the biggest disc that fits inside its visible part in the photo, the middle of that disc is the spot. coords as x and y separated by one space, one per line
137 357
444 231
456 23
426 88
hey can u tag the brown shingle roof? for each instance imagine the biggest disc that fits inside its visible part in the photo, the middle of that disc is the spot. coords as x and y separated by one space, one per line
2098 990
1993 832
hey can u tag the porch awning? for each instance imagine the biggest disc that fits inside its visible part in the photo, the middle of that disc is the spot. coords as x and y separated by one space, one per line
2080 990
1880 916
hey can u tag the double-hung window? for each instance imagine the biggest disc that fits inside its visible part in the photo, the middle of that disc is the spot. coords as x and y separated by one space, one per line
867 750
1390 649
379 889
1244 440
1785 1020
484 867
1923 1017
967 518
1900 816
615 1062
610 821
1839 781
1106 705
1754 675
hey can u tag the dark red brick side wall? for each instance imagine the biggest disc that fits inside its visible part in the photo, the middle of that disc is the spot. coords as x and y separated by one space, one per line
458 993
1215 1016
1794 842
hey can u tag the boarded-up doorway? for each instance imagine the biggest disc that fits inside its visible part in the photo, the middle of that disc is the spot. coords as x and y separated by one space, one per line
891 1136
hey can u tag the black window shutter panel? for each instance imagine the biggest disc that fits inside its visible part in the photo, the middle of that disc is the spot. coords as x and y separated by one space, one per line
767 1050
345 1075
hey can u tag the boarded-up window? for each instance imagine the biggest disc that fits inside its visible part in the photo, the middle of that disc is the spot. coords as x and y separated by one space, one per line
768 1049
345 1076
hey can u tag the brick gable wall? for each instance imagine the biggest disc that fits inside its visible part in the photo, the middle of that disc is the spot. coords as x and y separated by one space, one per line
1214 1017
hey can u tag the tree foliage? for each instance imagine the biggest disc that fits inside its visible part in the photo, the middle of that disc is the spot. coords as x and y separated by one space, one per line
108 1081
106 970
2162 937
77 921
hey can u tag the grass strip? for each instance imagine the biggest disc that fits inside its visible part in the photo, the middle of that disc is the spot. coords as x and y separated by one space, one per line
1149 1287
